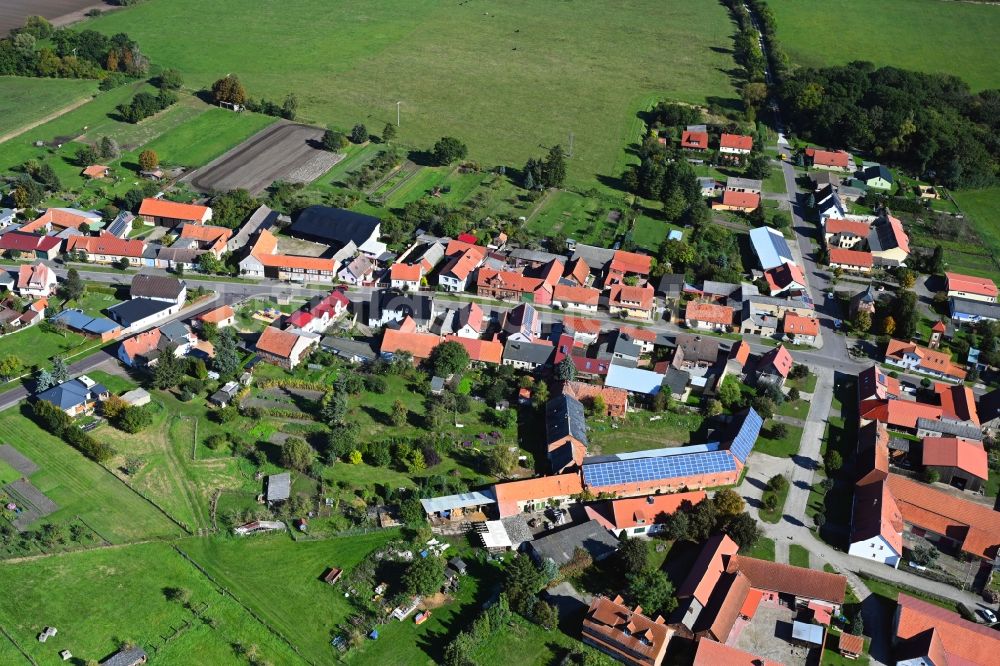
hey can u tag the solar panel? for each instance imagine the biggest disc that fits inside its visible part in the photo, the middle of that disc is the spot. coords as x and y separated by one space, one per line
745 439
656 469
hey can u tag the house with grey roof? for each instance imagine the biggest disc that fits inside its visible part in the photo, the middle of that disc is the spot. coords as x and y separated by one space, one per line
947 428
158 288
75 396
737 184
279 488
565 433
560 546
527 355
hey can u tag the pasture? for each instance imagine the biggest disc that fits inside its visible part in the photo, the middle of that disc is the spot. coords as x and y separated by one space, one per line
925 35
509 79
98 599
24 100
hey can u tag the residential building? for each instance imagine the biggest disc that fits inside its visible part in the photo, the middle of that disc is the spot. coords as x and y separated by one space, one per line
176 258
522 324
924 633
480 351
627 264
531 495
876 176
570 297
407 339
560 546
888 241
140 349
641 516
75 396
911 356
770 247
19 245
971 288
527 355
461 261
713 653
172 214
406 276
744 202
775 365
708 316
831 160
786 278
854 261
625 634
536 285
845 234
204 237
801 330
54 220
107 249
966 311
35 280
694 140
631 302
735 144
959 462
876 524
158 288
263 260
387 306
565 433
121 226
339 228
615 400
469 321
221 317
358 271
671 286
286 348
747 185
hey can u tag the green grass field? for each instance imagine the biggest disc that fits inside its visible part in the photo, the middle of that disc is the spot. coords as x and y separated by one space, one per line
637 432
982 209
33 346
781 447
798 555
25 100
509 79
763 549
99 599
81 487
927 35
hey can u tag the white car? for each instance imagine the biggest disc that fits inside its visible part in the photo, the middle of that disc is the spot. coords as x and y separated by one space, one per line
987 615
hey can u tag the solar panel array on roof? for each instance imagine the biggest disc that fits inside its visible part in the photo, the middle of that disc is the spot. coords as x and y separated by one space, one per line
655 469
746 437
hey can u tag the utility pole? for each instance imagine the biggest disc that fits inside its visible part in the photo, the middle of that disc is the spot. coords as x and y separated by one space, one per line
397 113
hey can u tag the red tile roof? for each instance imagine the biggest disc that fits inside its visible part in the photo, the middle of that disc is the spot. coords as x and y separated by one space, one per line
779 358
540 488
747 200
484 351
965 454
707 569
634 511
106 244
835 225
712 653
578 270
787 579
957 401
876 383
630 262
23 242
420 345
277 342
971 284
95 171
736 141
142 344
582 325
709 313
851 257
740 352
615 399
299 318
799 325
172 210
406 272
930 359
873 453
829 158
34 274
963 641
214 237
899 234
291 261
56 217
622 295
572 294
696 140
633 637
217 315
899 413
975 525
851 644
876 513
641 334
780 277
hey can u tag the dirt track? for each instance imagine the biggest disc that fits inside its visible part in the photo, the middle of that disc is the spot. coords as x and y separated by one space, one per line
283 151
13 12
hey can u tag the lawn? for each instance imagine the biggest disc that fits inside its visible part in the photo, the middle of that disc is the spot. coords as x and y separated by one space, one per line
796 409
762 550
83 488
774 516
798 555
781 447
34 346
637 432
894 32
26 100
982 209
504 78
114 383
890 591
122 591
806 385
93 303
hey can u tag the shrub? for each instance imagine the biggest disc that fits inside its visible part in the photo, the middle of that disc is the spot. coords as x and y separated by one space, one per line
216 441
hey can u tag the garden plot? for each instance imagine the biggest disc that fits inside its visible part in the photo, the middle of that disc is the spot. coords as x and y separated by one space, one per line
33 503
284 151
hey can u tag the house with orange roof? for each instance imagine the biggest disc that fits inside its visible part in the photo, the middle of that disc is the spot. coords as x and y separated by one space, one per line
713 653
631 302
951 523
469 321
204 237
418 345
743 202
872 460
694 140
284 348
708 316
775 365
876 524
800 330
140 349
171 214
536 285
971 288
845 234
913 357
221 316
875 384
855 261
480 351
60 219
96 172
625 634
959 462
838 160
899 415
615 399
584 331
569 297
957 401
578 272
786 278
35 280
406 276
624 264
530 495
107 249
924 633
641 516
461 261
735 145
264 260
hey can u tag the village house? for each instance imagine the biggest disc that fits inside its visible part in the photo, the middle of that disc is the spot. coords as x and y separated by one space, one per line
19 245
522 324
96 172
221 317
107 249
468 321
641 516
831 160
461 261
140 349
172 214
158 288
736 145
565 433
531 495
263 260
54 220
888 241
121 226
708 317
845 234
388 306
786 278
631 302
358 271
534 284
627 264
875 176
407 339
35 280
569 297
774 366
527 355
694 138
75 396
854 261
743 202
284 348
911 356
924 633
560 547
801 330
969 287
340 229
615 400
406 276
959 462
204 237
625 634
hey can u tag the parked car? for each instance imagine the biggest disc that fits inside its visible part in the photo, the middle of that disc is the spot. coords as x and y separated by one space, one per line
987 615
